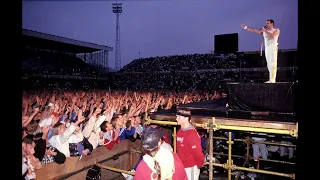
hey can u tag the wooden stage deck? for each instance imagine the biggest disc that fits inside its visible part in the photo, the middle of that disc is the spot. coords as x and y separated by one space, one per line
255 123
203 112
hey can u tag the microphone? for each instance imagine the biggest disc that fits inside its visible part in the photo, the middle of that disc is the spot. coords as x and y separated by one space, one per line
264 27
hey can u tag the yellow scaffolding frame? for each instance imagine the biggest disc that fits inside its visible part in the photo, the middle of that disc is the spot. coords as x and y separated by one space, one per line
213 126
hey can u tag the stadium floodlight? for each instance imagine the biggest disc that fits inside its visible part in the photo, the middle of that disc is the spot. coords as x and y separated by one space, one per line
117 9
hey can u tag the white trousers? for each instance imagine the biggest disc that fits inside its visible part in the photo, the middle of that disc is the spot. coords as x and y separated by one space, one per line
271 53
259 150
193 172
284 148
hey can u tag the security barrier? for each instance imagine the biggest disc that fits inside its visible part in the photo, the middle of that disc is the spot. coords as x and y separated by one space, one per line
75 168
212 125
126 154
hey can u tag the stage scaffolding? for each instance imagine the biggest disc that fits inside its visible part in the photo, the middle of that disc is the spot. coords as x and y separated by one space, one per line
212 125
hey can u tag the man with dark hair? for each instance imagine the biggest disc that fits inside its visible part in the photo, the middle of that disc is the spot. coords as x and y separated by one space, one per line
158 162
270 35
189 145
271 21
163 144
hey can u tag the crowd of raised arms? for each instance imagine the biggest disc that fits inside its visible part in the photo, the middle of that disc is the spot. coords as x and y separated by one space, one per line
85 120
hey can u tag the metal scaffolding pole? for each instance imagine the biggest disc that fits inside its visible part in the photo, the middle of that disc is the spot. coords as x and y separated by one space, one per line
229 165
210 149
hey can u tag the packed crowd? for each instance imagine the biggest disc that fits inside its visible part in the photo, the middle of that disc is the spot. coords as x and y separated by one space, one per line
196 71
204 80
54 63
65 84
58 125
188 62
195 62
179 81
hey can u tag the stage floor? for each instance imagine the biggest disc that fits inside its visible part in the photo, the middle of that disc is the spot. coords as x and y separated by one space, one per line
204 111
217 108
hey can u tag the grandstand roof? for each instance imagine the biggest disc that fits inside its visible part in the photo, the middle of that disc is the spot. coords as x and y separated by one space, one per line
47 41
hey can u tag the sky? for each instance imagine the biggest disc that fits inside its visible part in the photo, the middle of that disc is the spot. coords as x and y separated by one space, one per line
163 27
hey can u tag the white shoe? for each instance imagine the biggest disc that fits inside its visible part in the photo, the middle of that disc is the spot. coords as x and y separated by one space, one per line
125 175
270 82
128 176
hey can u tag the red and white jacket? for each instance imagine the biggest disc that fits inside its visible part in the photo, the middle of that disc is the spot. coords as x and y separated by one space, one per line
109 141
169 163
189 147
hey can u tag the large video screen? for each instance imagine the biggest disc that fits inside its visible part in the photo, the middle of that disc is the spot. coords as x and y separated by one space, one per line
226 43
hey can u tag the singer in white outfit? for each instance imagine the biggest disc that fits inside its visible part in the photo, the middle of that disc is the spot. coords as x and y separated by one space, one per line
270 35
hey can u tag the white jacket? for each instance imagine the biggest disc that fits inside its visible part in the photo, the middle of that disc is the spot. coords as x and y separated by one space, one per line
167 146
61 142
92 130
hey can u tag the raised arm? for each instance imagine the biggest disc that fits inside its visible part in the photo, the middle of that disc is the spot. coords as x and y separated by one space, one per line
89 127
29 119
100 120
69 131
252 29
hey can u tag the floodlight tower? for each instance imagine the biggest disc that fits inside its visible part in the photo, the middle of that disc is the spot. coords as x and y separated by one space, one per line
117 9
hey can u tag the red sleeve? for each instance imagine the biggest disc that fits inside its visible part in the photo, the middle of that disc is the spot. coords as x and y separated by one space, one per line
138 175
194 142
109 144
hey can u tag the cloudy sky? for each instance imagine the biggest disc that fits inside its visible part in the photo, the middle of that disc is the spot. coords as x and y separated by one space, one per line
163 27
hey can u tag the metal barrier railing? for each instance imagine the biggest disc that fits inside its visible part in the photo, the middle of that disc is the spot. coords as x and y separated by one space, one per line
229 164
212 126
